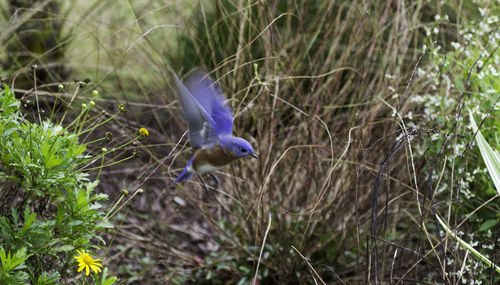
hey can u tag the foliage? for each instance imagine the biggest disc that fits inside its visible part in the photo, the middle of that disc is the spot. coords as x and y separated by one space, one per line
11 265
463 78
49 208
492 160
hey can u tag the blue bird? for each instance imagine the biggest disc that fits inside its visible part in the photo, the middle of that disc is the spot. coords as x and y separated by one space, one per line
210 123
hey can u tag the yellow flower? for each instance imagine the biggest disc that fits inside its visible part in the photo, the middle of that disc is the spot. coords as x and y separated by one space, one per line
86 261
143 132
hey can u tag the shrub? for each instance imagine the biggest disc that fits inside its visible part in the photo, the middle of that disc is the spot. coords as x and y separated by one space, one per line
49 208
462 77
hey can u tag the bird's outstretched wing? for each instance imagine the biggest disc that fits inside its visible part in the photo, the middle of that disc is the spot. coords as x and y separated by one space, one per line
201 125
210 97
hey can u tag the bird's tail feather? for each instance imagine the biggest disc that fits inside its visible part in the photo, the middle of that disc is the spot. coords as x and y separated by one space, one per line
185 175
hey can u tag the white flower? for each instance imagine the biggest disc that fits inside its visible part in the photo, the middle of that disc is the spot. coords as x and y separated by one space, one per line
420 72
492 19
455 45
389 76
483 11
493 72
484 28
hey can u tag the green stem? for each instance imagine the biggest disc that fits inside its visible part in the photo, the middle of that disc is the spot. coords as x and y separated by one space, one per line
100 124
107 165
114 205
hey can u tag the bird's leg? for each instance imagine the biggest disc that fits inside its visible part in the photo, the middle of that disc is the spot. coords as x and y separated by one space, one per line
203 184
216 180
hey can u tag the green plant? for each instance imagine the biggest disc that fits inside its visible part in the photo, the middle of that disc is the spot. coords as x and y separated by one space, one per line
12 265
462 74
48 207
492 160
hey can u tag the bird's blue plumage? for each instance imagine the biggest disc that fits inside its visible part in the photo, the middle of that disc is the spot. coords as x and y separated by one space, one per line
185 174
210 122
200 123
210 97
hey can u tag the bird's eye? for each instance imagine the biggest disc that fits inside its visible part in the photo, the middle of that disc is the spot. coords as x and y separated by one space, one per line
243 150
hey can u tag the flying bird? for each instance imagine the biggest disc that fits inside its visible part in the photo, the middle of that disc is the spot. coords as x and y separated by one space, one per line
210 124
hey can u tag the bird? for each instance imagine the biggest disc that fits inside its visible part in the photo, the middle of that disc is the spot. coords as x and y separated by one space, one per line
210 127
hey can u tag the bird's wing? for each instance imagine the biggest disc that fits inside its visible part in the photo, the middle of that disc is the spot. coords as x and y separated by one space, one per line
210 97
201 125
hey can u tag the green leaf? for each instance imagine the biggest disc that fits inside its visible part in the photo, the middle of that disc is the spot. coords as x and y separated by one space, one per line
52 161
104 224
3 256
45 148
79 149
487 225
11 262
105 280
81 201
491 158
459 83
90 186
63 248
15 215
468 246
48 278
29 218
100 196
110 280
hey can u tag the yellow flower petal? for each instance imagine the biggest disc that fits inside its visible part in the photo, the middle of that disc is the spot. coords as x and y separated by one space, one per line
86 261
95 268
143 132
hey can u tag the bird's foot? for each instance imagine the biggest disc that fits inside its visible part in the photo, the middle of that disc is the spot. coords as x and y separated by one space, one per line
203 185
216 181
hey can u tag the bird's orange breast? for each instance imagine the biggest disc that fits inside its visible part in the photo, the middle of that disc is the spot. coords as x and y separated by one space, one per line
215 157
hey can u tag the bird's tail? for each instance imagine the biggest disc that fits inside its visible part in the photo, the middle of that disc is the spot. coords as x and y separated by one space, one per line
185 175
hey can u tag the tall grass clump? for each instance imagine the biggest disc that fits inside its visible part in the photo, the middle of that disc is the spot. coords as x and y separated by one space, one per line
34 43
313 87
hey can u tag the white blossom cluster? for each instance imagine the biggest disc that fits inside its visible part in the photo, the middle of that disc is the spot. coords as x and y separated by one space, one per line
445 79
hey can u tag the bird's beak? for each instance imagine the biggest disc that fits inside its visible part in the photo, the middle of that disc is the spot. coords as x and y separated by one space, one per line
254 156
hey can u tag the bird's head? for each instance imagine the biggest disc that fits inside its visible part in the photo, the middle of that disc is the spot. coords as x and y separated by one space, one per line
238 146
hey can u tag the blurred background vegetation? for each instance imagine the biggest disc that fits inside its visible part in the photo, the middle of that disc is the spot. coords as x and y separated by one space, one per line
358 111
